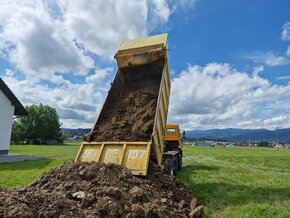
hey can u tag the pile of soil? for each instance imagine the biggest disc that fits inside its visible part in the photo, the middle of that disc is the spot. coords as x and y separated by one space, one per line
129 123
100 190
129 111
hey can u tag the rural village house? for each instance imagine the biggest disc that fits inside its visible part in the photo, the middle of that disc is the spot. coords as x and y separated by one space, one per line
10 106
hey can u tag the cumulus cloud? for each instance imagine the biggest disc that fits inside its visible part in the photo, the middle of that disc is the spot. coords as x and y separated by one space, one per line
100 25
56 45
99 75
36 43
286 32
218 96
271 58
43 37
268 58
77 104
270 123
161 8
257 70
159 11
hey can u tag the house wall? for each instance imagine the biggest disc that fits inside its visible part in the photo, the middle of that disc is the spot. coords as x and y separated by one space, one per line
6 119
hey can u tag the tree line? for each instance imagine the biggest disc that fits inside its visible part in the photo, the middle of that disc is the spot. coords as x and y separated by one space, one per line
41 124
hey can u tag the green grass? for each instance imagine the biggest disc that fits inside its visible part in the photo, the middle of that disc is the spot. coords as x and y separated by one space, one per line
239 182
231 182
20 174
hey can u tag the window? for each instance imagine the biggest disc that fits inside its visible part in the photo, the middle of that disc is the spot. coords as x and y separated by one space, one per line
171 131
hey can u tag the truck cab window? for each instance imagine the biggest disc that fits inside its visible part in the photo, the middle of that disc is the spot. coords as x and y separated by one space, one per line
171 131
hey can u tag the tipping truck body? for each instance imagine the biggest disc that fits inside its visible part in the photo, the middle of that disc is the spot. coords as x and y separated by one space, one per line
131 126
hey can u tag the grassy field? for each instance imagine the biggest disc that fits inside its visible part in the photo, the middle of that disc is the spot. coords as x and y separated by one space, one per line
239 182
22 173
231 182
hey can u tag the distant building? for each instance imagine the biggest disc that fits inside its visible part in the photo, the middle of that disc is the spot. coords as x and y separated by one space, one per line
201 143
278 146
230 145
10 106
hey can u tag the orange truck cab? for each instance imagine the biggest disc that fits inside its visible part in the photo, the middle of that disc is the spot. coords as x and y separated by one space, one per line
172 148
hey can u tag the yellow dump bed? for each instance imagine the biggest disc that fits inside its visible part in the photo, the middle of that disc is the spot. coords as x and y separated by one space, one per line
143 70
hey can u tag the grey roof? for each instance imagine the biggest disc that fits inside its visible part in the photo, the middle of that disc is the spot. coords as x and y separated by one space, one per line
19 109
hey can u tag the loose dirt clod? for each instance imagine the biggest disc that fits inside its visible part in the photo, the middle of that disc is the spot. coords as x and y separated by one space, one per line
99 190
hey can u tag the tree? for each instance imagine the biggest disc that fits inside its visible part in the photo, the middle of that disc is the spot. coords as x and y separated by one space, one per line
263 144
41 124
17 132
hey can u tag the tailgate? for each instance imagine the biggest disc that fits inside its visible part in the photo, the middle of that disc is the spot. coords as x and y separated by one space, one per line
133 155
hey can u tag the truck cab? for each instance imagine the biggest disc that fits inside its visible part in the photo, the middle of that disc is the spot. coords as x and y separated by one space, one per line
172 137
172 149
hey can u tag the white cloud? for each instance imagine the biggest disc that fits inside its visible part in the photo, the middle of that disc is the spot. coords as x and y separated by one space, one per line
257 70
183 4
281 121
77 104
286 32
9 72
227 98
100 25
159 11
55 47
43 37
283 78
288 51
36 43
99 75
268 58
277 120
161 8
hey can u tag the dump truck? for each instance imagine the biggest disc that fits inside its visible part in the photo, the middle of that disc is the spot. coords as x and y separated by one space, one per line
131 126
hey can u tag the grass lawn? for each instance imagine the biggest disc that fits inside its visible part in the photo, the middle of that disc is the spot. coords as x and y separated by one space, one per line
239 182
23 173
231 182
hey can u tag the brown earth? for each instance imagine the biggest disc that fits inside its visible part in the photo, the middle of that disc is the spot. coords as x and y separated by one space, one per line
100 190
129 111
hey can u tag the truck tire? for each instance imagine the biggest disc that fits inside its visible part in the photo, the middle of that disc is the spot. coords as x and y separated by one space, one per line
179 162
169 165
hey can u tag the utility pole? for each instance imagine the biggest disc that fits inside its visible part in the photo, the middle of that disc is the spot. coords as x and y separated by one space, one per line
277 135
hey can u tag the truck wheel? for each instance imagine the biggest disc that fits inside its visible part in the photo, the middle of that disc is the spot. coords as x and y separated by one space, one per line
169 165
179 162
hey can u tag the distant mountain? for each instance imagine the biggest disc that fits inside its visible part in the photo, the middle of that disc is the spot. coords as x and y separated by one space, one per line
242 134
222 134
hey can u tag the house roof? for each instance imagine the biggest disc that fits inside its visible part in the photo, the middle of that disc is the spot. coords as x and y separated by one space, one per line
19 109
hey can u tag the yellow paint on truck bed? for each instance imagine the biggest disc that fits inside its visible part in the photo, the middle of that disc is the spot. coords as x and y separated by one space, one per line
133 155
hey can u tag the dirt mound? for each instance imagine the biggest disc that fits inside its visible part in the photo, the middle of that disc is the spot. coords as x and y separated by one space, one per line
100 190
129 111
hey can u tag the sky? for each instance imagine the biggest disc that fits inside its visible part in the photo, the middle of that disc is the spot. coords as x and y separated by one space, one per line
229 60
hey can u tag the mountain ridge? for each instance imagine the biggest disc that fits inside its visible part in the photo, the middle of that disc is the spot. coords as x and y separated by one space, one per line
236 134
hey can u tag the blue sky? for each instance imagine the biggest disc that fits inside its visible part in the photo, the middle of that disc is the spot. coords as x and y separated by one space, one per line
229 60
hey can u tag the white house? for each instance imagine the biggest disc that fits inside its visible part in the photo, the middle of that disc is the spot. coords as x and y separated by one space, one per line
10 106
